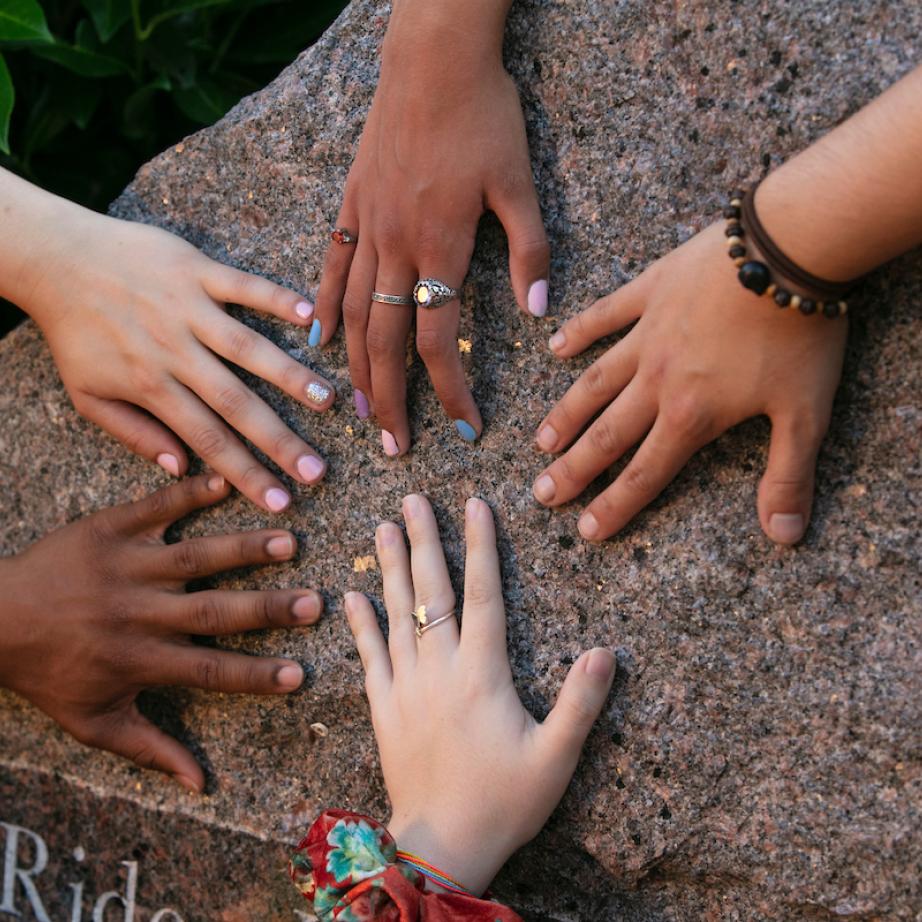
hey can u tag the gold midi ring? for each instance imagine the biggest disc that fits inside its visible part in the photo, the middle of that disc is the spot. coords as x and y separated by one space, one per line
423 624
391 299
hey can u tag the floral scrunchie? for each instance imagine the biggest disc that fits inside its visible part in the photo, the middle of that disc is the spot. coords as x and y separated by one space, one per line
346 868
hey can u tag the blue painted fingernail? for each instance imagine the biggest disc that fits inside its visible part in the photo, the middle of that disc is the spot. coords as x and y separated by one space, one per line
314 338
465 430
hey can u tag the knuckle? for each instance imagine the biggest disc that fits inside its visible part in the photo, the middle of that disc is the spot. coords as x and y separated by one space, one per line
604 437
189 558
207 615
240 343
142 753
478 594
252 478
355 309
209 441
286 444
595 382
388 234
433 240
208 672
270 609
533 249
637 479
295 378
91 733
230 401
433 344
687 416
381 344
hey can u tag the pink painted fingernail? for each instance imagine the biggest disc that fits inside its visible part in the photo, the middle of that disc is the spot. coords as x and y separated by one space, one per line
310 468
304 309
280 546
588 526
557 341
537 298
362 407
277 499
547 437
544 488
170 463
389 443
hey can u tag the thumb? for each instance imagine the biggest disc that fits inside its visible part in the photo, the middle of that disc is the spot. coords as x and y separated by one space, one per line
129 734
579 703
529 251
786 490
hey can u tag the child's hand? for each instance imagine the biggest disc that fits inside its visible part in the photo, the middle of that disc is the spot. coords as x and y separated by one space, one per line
470 774
135 319
97 611
704 355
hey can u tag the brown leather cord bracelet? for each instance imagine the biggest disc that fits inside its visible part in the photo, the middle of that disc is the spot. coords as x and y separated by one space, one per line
821 295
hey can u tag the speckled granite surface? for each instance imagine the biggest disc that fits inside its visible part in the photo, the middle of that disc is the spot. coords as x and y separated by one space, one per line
761 755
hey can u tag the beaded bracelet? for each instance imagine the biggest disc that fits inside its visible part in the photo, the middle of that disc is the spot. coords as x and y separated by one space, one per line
432 873
757 276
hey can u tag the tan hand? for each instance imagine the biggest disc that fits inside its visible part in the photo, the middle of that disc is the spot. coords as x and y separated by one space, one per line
703 355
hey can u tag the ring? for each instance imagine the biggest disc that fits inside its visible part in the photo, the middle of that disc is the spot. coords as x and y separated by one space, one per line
341 236
433 293
423 623
391 299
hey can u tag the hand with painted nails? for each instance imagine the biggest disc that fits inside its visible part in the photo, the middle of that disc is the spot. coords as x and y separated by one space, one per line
97 611
446 714
703 355
135 320
441 145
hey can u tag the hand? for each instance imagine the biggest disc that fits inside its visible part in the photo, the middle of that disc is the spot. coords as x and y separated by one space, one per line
704 355
135 319
441 145
446 714
96 612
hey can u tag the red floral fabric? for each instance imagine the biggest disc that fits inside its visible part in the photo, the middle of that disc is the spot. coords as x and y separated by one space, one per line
346 869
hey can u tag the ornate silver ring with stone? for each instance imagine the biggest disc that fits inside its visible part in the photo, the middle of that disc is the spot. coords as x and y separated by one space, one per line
433 293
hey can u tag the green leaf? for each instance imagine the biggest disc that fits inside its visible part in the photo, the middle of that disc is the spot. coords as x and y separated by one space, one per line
108 16
23 21
81 60
137 115
167 9
7 98
205 102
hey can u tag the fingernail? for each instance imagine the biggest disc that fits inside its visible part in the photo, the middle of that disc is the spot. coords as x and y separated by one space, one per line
588 525
316 392
305 608
304 309
313 338
289 677
412 506
472 508
277 499
786 528
547 437
170 463
544 488
280 546
557 341
188 783
601 664
362 407
466 430
351 600
537 298
216 483
390 444
310 468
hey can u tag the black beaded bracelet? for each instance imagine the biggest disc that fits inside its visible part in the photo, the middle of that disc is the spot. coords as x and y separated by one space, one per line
757 276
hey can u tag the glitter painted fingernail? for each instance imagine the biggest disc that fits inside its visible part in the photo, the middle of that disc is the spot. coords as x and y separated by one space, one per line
317 393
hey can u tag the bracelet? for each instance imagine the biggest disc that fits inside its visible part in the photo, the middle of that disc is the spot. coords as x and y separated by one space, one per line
824 297
432 873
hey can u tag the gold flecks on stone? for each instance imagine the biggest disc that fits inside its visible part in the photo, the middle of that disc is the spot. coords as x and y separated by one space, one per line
517 344
179 148
350 431
364 564
165 200
465 345
319 729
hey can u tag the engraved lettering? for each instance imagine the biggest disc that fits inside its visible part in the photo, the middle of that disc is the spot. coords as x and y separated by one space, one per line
12 872
128 900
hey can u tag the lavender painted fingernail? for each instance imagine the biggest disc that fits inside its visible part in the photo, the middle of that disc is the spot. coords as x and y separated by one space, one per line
313 339
304 309
537 298
277 499
391 449
362 407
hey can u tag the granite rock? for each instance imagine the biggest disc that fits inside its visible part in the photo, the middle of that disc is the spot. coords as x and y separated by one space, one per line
760 757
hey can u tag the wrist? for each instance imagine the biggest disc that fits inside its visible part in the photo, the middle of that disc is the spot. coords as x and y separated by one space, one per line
472 864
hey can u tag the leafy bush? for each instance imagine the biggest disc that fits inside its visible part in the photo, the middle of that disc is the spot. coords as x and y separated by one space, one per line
90 89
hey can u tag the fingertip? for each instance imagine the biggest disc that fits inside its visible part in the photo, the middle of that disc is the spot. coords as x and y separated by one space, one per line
589 527
354 602
414 506
538 298
387 534
289 677
307 608
216 483
169 462
191 784
304 311
786 528
558 341
476 509
601 664
547 438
